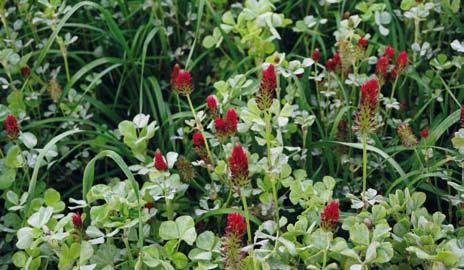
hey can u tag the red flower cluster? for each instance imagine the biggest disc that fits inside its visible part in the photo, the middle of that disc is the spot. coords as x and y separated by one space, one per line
11 126
198 139
25 71
181 81
235 224
158 161
424 133
267 88
330 215
333 62
238 165
461 119
369 93
212 104
77 220
382 66
316 55
362 41
401 61
149 205
389 52
228 126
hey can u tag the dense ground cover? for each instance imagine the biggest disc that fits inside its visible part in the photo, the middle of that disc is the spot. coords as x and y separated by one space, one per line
213 134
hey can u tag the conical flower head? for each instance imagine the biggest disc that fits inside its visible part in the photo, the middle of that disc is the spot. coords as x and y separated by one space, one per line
330 215
267 88
401 61
11 126
77 220
316 55
365 121
238 165
389 52
181 81
231 121
382 66
198 139
186 170
406 135
369 93
212 104
159 162
235 224
362 41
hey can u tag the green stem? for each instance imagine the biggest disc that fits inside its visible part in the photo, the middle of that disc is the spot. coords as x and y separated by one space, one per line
199 127
416 36
128 249
269 164
169 210
247 216
364 163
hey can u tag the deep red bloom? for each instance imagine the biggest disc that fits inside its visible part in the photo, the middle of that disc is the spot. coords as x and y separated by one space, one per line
77 220
382 65
198 139
329 64
337 58
424 133
394 73
316 54
212 103
220 126
159 162
231 121
389 52
11 126
462 116
25 71
330 215
369 93
235 224
267 88
362 41
149 205
238 164
181 81
401 61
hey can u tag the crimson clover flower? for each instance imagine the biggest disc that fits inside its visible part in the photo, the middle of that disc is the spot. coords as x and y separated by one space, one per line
382 66
267 88
389 52
212 104
235 224
231 121
238 165
316 55
77 220
11 126
181 81
330 215
159 162
232 242
362 41
424 133
365 121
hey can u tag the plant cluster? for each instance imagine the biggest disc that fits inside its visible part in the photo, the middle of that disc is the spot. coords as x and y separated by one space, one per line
259 134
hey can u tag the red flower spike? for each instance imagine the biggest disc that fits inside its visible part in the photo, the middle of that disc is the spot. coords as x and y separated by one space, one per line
220 126
11 126
159 162
181 81
382 65
362 41
329 64
424 133
238 165
337 58
389 52
462 116
330 215
267 88
198 139
149 205
212 103
25 71
401 61
77 220
316 55
231 121
235 224
369 93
